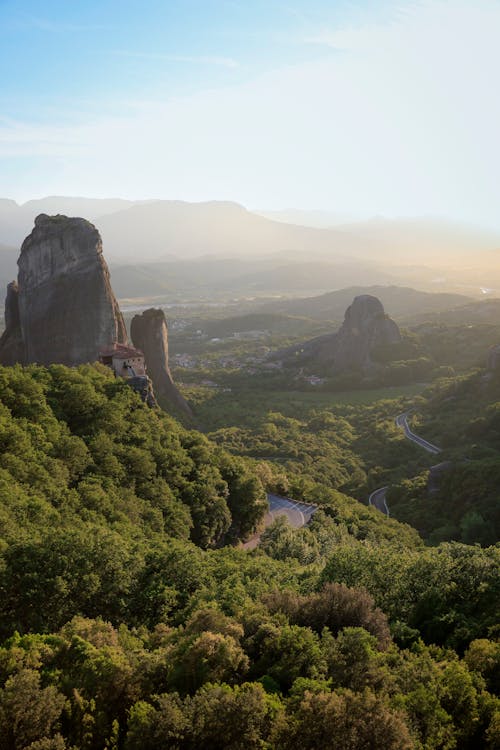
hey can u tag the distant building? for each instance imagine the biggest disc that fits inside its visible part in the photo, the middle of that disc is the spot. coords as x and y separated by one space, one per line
125 361
184 360
249 335
128 363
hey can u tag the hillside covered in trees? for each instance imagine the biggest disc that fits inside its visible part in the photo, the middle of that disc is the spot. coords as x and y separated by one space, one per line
131 619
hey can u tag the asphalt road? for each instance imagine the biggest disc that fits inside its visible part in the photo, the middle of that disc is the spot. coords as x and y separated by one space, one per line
402 421
297 514
377 498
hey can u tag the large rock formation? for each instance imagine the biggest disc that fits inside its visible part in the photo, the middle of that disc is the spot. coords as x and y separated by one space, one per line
149 333
365 327
11 342
62 308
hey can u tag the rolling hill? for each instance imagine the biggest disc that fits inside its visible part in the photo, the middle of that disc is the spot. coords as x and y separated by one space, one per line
400 302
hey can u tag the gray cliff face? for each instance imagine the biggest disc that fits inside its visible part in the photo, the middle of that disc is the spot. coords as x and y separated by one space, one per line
66 310
149 333
365 327
11 342
12 306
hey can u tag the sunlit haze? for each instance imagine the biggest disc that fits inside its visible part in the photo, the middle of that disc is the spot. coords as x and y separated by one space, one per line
362 108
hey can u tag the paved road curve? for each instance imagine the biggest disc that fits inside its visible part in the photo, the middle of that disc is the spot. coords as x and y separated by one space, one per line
297 514
378 498
402 421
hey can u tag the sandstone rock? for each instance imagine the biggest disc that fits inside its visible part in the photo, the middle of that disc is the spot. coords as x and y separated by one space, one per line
143 385
11 342
63 308
365 327
149 333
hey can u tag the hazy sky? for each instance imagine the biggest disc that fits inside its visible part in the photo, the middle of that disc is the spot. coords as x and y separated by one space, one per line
362 108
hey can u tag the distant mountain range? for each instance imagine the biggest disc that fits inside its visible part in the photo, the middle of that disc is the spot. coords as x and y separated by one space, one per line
260 277
150 230
166 247
486 311
153 230
421 235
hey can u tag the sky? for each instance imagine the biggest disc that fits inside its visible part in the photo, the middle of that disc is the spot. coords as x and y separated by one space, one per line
364 109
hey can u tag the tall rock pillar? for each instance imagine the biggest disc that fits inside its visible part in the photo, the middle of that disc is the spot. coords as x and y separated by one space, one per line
63 308
149 333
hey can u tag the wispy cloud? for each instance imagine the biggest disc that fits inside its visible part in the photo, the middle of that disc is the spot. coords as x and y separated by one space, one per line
226 62
35 141
404 123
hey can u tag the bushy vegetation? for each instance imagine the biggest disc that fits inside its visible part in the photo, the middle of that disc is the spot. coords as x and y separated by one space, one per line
459 414
354 447
79 448
130 620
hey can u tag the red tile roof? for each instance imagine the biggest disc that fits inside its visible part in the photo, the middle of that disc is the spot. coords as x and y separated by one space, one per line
120 351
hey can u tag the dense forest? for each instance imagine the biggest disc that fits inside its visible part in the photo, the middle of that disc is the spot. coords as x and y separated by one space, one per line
131 618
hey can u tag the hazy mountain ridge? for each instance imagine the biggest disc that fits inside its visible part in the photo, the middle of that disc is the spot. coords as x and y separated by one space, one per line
408 233
165 247
480 311
214 228
153 228
16 219
399 301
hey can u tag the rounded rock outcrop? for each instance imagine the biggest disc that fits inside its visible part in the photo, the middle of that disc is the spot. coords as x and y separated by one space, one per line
366 327
63 310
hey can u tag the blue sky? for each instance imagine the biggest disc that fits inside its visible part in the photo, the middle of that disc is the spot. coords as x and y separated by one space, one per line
93 53
358 107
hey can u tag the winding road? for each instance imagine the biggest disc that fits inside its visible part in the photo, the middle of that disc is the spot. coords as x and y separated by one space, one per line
402 421
377 498
297 514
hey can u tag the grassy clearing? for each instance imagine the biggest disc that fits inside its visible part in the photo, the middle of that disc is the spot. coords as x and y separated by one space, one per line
370 395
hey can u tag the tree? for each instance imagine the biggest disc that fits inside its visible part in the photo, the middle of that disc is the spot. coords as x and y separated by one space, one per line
163 724
483 656
28 712
354 660
247 498
334 607
347 720
238 718
208 657
286 653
